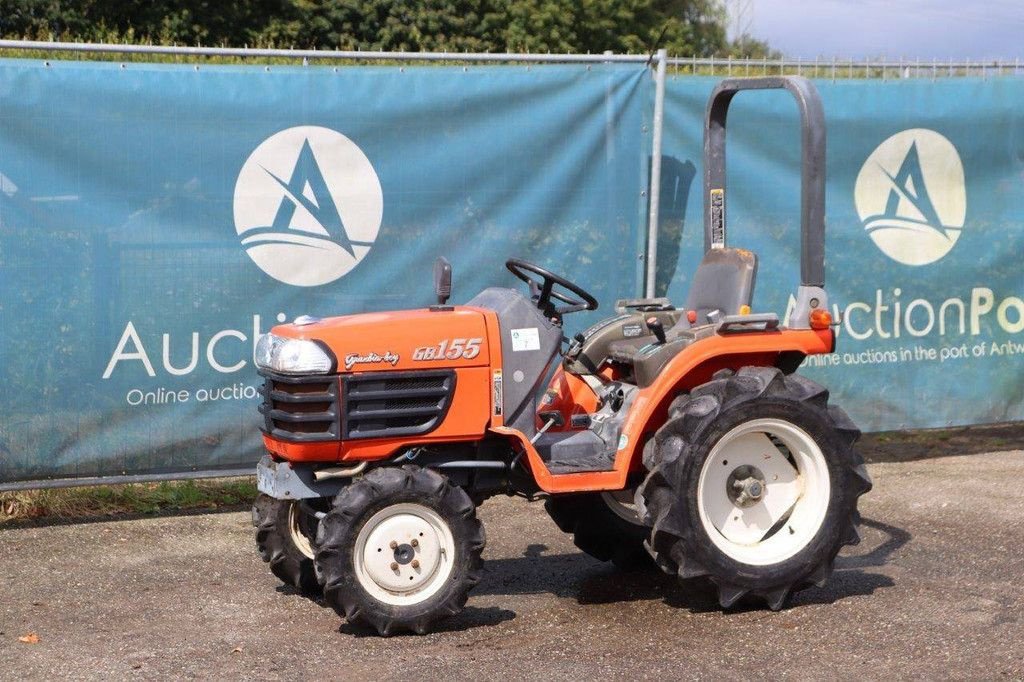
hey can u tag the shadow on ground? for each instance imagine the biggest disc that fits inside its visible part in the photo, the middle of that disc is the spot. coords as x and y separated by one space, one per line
577 576
470 618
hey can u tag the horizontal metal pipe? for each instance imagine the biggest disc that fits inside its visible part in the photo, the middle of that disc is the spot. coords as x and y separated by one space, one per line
469 464
839 63
339 472
369 55
318 54
130 478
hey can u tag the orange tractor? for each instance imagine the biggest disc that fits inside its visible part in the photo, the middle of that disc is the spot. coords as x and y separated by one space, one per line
682 435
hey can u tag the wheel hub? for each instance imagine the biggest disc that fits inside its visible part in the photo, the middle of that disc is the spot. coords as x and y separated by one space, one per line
745 486
404 554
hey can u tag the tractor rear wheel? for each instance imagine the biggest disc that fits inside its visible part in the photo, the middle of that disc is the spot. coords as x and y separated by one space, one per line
284 535
604 525
754 484
399 549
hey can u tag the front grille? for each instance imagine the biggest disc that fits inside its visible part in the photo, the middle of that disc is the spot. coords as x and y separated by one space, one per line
387 404
300 409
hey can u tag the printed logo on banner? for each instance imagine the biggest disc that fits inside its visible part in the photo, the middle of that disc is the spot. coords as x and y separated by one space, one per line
911 196
308 205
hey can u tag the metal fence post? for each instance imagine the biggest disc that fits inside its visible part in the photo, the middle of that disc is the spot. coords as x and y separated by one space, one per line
654 195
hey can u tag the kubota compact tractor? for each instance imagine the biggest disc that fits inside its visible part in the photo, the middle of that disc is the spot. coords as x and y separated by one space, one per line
679 434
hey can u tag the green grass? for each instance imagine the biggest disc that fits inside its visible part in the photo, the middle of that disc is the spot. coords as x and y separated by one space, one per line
901 446
132 499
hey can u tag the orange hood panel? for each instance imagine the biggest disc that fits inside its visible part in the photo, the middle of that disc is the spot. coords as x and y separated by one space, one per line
401 340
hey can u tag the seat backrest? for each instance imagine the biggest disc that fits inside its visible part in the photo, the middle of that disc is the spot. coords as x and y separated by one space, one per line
724 281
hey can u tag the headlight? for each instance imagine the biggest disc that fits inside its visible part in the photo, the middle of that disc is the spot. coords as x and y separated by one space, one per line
293 356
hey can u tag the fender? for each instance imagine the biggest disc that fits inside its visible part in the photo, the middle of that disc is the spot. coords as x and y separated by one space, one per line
692 367
696 364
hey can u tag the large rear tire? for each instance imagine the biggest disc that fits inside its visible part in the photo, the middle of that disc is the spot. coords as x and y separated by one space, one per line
754 484
399 549
604 525
284 535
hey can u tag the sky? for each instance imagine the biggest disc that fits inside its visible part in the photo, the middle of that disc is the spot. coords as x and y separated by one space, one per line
912 29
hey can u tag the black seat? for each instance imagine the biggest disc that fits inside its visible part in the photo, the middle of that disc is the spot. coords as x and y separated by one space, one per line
723 283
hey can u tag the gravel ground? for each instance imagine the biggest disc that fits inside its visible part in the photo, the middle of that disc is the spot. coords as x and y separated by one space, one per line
933 591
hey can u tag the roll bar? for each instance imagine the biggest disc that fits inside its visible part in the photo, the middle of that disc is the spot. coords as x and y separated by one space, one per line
812 185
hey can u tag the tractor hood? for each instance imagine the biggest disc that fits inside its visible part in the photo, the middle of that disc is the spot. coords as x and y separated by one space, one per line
400 340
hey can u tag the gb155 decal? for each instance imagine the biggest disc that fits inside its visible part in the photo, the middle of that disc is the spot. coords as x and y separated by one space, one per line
449 349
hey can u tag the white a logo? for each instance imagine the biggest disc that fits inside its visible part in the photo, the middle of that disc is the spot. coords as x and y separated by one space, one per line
911 197
308 205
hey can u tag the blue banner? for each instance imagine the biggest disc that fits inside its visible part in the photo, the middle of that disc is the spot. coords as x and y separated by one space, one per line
925 231
154 220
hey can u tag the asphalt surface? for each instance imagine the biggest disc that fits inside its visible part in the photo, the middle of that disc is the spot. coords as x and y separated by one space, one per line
934 591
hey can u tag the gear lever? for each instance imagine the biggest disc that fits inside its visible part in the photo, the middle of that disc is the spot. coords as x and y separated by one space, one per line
655 325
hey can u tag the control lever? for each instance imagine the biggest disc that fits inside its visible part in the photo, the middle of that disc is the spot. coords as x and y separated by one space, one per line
575 345
554 418
655 325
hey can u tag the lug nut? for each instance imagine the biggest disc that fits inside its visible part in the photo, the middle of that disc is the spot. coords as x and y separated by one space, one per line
415 542
394 565
415 563
393 545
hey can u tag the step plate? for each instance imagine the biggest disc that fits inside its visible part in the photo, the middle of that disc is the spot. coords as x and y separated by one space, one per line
597 462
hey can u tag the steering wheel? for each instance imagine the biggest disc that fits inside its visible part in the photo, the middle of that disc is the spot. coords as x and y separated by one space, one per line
543 290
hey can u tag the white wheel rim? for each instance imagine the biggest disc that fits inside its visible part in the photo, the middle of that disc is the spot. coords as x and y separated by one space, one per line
622 503
299 538
794 497
404 554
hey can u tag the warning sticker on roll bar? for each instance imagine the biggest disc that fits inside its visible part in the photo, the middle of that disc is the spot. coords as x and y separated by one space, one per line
717 218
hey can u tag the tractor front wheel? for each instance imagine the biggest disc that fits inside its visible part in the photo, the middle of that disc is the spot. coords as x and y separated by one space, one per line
284 534
753 483
399 549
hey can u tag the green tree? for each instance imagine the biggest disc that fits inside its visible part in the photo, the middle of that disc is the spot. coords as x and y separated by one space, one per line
684 27
748 46
430 25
